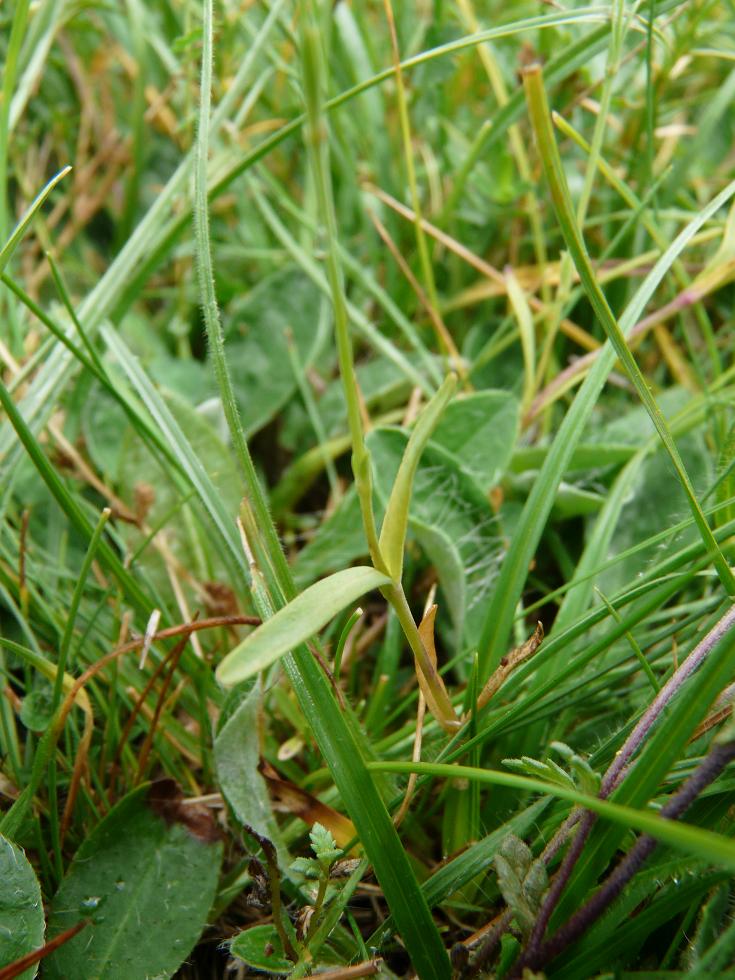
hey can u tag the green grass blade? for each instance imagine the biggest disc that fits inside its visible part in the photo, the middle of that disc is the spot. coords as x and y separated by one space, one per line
70 505
21 228
541 121
692 840
663 747
501 611
188 462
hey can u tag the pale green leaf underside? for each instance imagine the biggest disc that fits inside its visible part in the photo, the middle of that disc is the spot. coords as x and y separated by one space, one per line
298 621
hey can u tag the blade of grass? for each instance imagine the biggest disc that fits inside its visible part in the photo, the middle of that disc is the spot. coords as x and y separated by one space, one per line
376 340
549 152
527 333
21 228
187 460
74 608
501 611
70 506
318 147
10 68
692 840
658 755
335 738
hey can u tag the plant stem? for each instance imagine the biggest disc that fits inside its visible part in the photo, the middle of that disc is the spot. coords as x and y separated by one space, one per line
317 146
616 770
706 773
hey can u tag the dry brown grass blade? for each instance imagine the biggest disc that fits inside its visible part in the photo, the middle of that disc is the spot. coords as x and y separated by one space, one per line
426 632
431 311
290 798
173 661
567 327
702 286
76 689
509 663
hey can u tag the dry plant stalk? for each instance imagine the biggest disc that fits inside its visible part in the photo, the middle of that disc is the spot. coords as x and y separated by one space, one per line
509 663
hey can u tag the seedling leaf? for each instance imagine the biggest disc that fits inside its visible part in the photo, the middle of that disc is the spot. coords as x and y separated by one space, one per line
298 621
395 523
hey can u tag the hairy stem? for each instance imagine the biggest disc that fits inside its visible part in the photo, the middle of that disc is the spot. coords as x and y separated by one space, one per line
634 860
618 767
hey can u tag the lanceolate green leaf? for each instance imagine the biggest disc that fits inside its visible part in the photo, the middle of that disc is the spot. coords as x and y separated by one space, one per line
395 522
298 621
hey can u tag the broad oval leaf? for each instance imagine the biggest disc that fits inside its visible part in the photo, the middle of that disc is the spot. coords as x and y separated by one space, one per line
257 343
261 948
21 909
299 620
480 431
146 878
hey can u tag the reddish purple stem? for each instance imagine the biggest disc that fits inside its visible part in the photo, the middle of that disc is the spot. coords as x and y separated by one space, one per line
616 773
